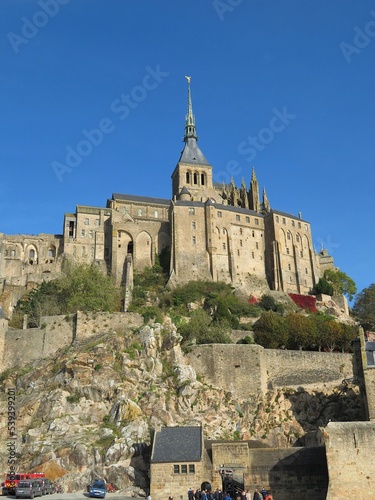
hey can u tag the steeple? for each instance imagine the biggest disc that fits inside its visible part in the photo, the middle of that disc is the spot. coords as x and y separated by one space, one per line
190 118
266 203
191 152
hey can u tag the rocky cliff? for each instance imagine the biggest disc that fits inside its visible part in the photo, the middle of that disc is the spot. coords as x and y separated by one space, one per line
90 409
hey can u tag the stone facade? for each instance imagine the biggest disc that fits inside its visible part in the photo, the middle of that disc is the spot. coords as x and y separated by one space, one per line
213 232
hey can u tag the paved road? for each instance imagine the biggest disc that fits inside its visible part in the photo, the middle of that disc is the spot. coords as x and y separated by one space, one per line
74 496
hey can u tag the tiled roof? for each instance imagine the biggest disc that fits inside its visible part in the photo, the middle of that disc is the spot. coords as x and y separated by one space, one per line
177 444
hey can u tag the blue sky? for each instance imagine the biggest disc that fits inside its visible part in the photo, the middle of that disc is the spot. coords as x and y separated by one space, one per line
69 67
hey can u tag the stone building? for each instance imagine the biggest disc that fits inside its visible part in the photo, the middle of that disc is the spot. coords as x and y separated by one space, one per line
212 231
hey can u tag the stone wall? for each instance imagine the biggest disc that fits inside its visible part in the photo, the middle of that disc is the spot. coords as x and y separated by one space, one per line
351 460
248 369
24 346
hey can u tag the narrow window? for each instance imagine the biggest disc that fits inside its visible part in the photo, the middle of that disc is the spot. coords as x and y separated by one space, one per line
202 180
277 218
289 267
306 271
297 238
253 233
238 217
252 254
139 212
219 214
287 251
241 243
183 469
241 230
195 178
256 222
87 222
193 225
191 211
194 240
288 236
301 253
293 223
97 221
257 245
176 469
299 225
91 233
83 233
238 253
156 214
191 469
284 221
32 254
306 227
247 219
224 246
187 177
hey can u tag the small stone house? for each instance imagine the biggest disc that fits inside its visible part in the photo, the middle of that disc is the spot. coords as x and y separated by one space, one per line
177 462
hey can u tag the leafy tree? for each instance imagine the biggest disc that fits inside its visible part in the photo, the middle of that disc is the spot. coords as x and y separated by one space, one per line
364 307
341 283
268 303
86 288
301 329
270 330
324 287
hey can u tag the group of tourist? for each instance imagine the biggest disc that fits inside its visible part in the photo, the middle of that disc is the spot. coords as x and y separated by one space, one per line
199 494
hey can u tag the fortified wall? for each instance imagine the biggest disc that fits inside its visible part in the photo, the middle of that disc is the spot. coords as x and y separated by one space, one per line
247 369
21 347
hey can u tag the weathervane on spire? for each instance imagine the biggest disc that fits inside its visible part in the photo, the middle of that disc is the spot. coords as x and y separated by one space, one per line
188 78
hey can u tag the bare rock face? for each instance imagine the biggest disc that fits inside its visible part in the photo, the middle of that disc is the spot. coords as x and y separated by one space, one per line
90 411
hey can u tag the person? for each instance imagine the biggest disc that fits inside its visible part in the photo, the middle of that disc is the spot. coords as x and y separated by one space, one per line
170 497
227 496
257 495
269 496
263 492
243 495
197 494
190 494
204 495
248 495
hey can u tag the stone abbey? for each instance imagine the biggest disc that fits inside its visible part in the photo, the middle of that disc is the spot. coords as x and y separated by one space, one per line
212 231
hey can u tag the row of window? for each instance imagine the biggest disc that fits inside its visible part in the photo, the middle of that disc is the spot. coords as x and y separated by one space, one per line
87 222
194 178
89 233
293 222
290 268
32 253
184 469
238 218
300 253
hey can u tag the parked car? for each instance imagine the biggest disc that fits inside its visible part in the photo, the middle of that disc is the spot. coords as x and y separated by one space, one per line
98 488
29 489
48 487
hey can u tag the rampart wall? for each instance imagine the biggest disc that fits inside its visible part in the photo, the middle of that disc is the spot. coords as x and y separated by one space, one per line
248 369
20 347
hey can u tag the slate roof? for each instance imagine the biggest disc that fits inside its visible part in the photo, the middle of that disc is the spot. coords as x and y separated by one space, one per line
143 199
177 444
192 154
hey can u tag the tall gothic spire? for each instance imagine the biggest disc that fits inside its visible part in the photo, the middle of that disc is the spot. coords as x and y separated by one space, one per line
190 119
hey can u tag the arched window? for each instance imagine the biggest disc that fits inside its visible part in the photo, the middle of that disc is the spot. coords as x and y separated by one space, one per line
187 177
32 254
203 179
195 178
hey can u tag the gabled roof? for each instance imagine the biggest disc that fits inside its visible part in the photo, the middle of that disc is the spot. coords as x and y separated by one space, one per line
177 444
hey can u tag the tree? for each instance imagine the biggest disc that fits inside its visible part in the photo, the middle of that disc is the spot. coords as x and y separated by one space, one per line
324 287
364 307
341 283
85 287
302 331
270 330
